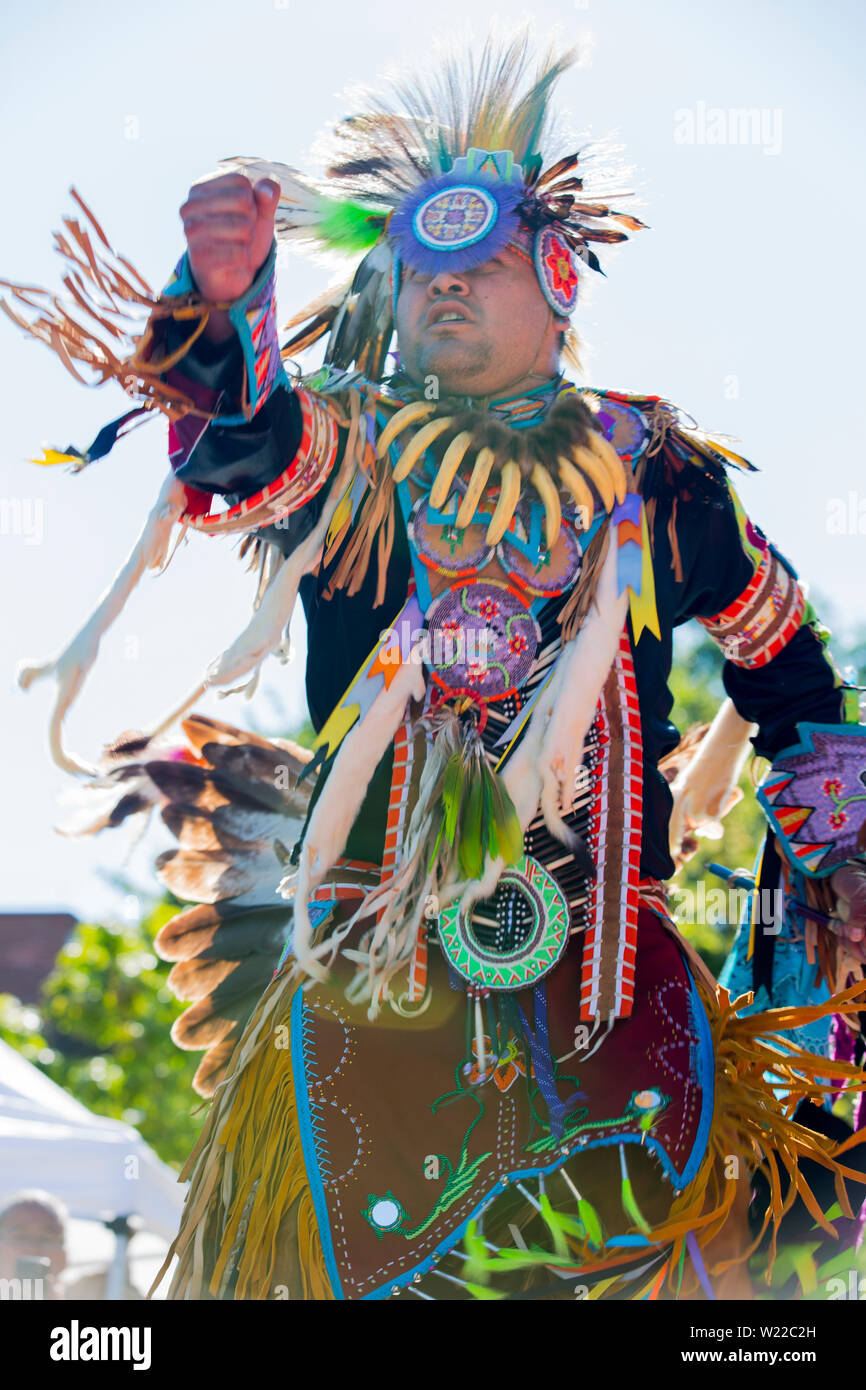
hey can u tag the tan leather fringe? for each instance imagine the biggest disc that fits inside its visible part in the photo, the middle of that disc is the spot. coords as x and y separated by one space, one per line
97 332
376 521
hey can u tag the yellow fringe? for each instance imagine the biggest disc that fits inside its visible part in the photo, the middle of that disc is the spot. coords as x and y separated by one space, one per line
753 1061
247 1175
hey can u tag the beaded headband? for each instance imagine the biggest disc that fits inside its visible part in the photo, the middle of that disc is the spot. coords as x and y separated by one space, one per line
462 219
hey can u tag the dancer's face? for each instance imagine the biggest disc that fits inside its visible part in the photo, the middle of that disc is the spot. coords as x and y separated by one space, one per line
478 332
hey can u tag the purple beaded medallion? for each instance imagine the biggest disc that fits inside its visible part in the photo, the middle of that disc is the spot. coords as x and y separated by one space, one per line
482 638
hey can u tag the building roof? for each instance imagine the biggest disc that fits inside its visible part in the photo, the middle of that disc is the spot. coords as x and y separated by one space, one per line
29 943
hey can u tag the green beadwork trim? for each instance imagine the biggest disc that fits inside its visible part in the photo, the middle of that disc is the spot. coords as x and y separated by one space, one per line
525 964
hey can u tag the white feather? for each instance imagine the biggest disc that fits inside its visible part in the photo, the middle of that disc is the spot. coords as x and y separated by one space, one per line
265 631
522 773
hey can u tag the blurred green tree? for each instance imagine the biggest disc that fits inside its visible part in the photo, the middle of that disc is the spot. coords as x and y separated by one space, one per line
696 685
102 1031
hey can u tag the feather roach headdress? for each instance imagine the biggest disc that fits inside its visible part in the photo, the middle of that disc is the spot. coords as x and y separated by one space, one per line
441 171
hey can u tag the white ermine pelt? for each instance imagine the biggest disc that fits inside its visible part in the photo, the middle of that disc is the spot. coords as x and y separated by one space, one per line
265 630
706 789
587 659
72 666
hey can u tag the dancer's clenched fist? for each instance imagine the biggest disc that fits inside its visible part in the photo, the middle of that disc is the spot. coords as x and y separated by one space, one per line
229 227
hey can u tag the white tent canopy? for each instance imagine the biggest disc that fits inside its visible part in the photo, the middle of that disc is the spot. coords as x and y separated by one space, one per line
99 1168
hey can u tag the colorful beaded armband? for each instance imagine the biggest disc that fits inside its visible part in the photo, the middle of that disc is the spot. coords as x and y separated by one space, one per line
306 474
254 317
757 625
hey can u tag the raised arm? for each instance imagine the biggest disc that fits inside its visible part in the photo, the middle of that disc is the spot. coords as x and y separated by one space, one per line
261 428
747 596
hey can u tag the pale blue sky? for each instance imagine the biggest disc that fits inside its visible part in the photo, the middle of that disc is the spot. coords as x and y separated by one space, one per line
744 303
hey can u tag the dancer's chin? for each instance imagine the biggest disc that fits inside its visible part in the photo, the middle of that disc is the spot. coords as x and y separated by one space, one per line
456 365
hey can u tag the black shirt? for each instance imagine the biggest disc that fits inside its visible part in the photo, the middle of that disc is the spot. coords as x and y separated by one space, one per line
798 683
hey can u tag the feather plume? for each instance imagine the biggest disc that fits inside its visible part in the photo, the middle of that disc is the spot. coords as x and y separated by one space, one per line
307 215
497 100
340 801
463 817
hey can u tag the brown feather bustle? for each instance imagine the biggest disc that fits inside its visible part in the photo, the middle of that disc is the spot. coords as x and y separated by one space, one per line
232 802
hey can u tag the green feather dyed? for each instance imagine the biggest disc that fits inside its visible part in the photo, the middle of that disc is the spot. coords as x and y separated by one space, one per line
452 792
805 1267
506 1261
471 851
797 1260
554 1223
591 1222
832 1214
483 1293
839 1264
434 852
629 1205
475 1268
349 227
631 1208
570 1226
486 821
478 814
509 836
